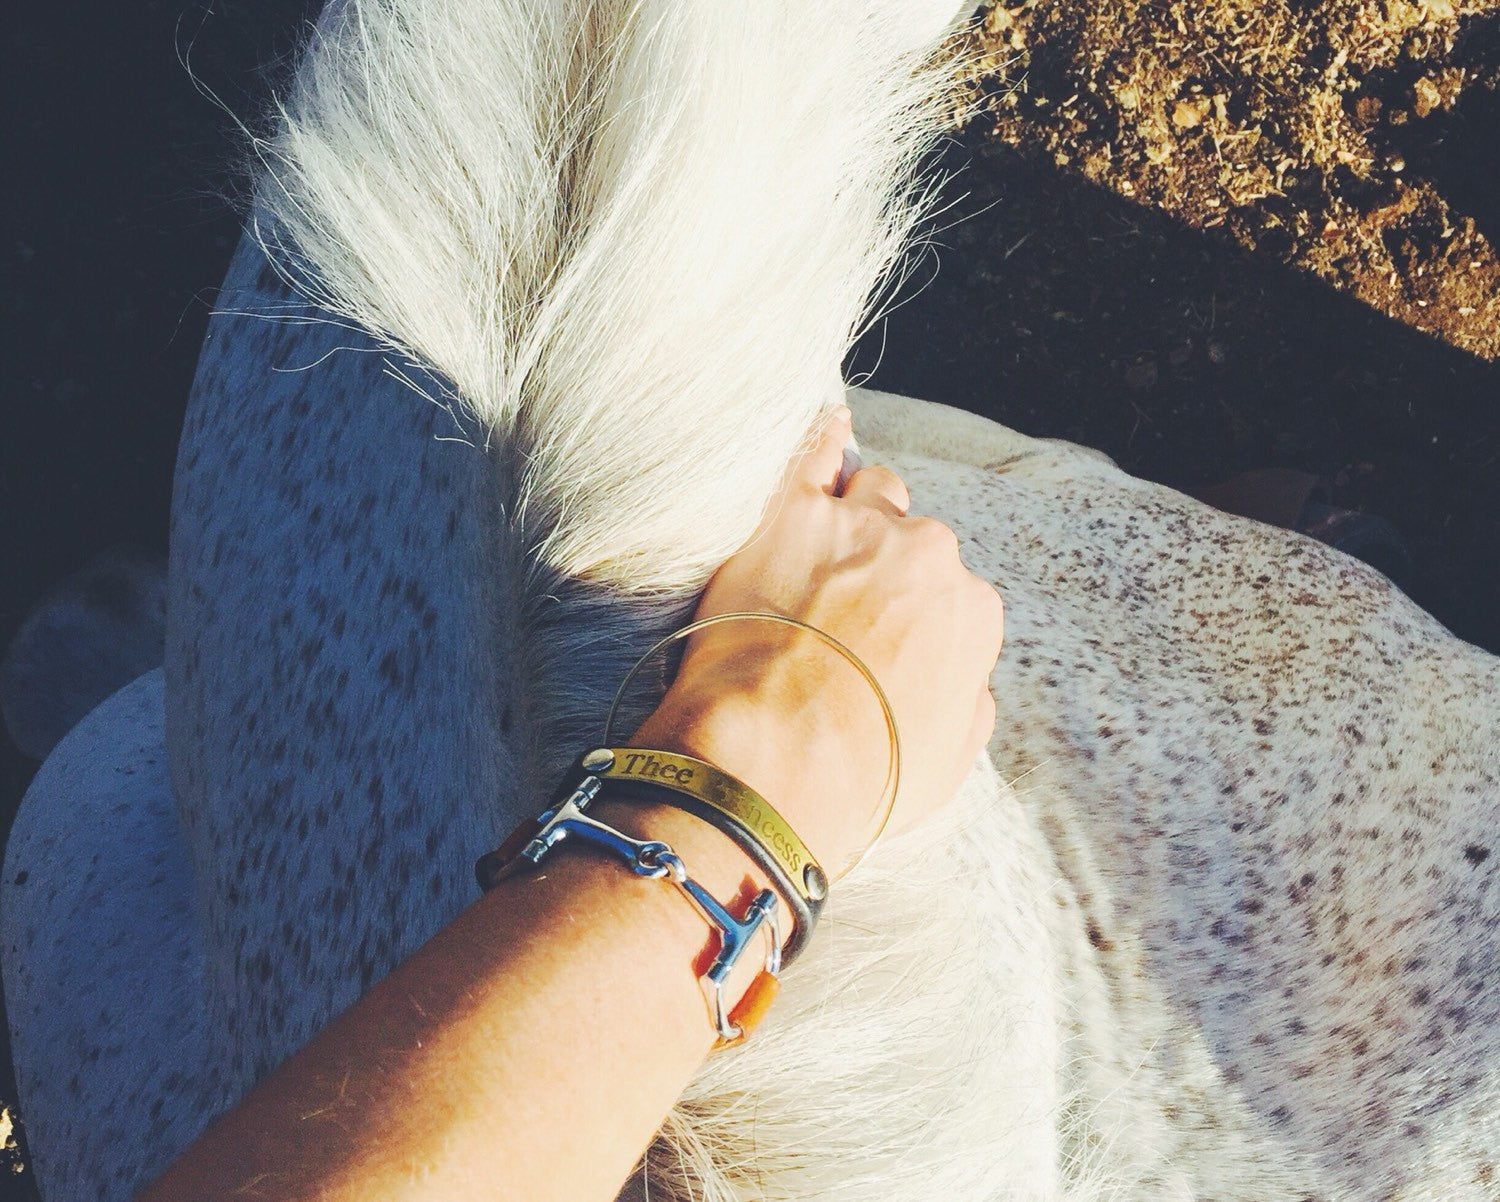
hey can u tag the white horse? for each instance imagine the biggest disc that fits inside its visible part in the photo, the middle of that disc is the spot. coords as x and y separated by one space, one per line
555 288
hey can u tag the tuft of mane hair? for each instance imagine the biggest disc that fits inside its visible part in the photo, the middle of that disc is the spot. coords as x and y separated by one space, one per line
637 236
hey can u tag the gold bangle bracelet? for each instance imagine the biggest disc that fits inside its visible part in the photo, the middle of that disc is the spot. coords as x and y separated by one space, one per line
893 771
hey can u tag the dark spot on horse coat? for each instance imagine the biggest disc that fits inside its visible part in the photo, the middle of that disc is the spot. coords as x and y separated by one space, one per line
268 279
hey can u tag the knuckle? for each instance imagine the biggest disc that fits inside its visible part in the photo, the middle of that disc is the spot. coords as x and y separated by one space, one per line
988 613
987 708
881 477
879 481
991 603
985 714
934 534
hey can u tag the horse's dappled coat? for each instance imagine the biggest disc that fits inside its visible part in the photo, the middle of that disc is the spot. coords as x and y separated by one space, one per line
1231 932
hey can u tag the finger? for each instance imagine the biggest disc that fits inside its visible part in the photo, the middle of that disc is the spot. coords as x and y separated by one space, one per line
983 727
990 618
880 488
818 467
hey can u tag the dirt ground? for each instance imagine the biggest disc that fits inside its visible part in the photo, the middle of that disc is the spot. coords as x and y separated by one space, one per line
1344 138
1203 238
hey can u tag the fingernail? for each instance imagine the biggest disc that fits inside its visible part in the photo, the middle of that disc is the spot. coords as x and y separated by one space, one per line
841 415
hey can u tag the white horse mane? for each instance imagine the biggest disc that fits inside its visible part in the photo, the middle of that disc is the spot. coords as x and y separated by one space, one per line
637 236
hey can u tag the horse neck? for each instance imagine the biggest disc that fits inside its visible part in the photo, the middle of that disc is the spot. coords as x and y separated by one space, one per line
560 319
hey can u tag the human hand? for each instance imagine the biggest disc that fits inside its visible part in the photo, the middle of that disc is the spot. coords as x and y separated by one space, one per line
787 714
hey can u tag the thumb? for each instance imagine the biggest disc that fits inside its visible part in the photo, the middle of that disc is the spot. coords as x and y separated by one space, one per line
818 467
815 469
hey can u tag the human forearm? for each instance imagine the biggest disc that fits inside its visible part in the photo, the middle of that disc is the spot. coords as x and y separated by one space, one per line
528 1051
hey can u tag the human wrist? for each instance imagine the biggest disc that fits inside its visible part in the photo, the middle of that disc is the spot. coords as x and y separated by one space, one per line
786 731
725 873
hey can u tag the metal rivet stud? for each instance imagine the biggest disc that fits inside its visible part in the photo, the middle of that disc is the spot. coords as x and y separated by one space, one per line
601 759
816 882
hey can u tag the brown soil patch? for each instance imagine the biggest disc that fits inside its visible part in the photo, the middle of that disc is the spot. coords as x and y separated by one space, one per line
1314 133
